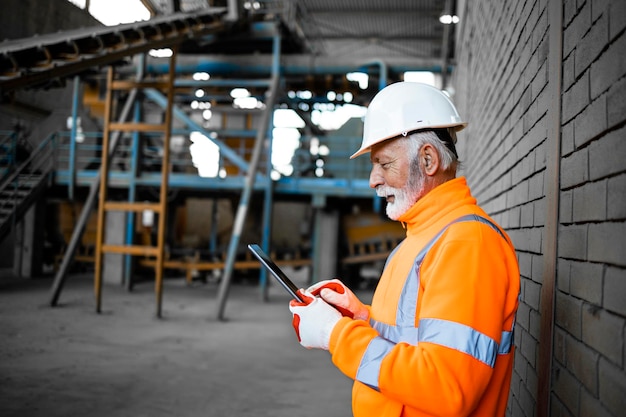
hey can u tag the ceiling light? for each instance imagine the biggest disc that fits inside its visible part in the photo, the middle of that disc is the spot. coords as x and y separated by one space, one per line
239 93
447 19
161 53
201 76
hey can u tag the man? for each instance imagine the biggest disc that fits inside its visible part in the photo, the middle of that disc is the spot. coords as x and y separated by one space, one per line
437 339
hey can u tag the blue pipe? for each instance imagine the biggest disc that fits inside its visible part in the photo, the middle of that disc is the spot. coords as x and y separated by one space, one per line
222 83
228 68
268 201
72 183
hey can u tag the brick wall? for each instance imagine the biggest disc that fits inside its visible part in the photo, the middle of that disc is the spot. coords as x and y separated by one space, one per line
503 86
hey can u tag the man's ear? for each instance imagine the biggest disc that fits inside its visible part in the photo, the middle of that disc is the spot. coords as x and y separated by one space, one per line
429 159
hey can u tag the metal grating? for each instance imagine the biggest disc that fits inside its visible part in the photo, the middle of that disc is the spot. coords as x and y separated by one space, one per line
394 29
405 30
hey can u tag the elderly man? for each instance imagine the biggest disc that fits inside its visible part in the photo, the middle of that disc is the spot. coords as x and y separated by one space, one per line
437 339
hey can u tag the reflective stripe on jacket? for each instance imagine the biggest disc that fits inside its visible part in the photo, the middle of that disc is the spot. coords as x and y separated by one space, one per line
439 341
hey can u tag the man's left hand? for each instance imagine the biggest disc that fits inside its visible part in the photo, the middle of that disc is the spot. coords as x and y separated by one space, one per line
313 320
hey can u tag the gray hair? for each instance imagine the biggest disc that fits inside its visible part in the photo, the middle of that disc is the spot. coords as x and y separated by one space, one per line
416 140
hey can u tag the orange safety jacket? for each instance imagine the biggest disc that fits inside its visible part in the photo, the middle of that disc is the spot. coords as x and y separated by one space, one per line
439 341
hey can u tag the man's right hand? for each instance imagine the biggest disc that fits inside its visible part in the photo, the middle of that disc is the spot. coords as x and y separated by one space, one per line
337 294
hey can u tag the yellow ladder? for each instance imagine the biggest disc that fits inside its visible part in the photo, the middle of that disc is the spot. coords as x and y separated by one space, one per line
114 86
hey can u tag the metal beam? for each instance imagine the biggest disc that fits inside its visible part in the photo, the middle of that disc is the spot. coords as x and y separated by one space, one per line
445 42
294 64
242 210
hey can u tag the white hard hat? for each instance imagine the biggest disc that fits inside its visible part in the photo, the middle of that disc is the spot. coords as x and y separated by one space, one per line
404 107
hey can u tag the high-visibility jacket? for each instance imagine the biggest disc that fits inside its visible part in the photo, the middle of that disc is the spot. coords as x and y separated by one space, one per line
439 341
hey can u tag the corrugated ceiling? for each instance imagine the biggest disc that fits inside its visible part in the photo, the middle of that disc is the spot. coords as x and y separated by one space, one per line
405 31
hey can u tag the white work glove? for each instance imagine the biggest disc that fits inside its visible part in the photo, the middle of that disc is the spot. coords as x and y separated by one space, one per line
313 320
335 293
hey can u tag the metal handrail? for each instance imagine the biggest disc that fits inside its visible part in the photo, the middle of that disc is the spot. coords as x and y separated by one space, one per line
41 159
9 139
89 152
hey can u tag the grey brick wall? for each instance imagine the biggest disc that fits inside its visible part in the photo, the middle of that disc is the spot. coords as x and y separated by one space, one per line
502 87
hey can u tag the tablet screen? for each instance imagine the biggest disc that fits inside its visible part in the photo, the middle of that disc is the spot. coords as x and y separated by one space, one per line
275 270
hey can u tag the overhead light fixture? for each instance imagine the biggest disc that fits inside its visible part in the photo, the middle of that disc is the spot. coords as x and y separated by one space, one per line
447 19
161 53
252 5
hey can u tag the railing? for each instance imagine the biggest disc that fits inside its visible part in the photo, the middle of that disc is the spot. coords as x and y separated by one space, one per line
21 183
87 156
88 153
80 166
8 152
40 162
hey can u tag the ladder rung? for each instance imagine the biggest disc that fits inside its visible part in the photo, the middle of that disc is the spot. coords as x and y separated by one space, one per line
137 250
126 206
129 85
137 127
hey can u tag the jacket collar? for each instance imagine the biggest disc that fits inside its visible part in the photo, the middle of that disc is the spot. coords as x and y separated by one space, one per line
437 203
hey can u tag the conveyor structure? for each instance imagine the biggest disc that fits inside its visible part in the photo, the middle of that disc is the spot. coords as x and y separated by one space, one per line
40 61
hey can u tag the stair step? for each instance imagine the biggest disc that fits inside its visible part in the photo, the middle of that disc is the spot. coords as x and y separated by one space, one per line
11 193
22 187
27 183
29 178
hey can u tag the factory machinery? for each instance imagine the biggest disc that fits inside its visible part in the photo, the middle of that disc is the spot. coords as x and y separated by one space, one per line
149 108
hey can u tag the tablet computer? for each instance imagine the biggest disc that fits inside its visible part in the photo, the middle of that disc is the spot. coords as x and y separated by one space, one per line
275 270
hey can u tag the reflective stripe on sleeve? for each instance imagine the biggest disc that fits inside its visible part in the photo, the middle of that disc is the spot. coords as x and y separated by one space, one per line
505 343
369 368
396 334
459 337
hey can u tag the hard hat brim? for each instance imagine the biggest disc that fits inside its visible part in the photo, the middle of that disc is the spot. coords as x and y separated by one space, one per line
363 150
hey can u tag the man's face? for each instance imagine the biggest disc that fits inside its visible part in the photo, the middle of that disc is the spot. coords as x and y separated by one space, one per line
396 176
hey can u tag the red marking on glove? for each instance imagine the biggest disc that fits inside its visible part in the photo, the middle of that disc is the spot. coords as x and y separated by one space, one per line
296 326
338 288
306 300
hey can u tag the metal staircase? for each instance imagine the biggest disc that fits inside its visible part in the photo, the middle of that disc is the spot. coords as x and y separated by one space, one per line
25 185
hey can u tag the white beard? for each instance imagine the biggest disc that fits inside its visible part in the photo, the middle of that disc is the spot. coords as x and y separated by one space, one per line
405 197
403 200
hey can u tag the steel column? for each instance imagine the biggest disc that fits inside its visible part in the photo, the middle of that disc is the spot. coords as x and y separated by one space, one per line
242 210
268 202
132 186
72 167
164 186
552 192
102 195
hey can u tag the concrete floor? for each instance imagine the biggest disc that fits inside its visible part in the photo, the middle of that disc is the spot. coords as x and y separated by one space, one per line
71 361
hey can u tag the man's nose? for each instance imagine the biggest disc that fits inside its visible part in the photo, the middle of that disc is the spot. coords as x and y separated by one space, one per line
376 178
